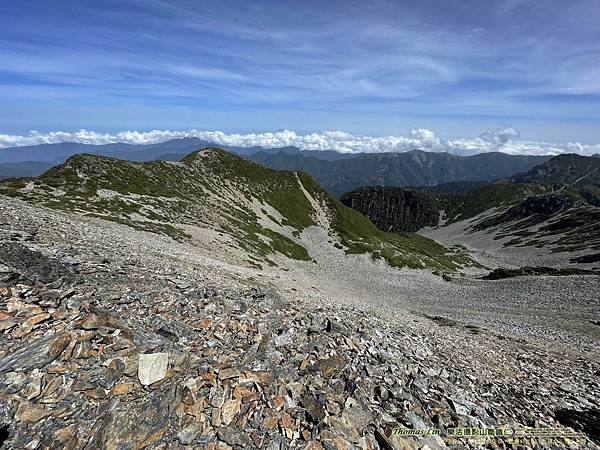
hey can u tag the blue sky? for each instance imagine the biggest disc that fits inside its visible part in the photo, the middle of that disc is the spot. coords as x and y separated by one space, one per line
366 67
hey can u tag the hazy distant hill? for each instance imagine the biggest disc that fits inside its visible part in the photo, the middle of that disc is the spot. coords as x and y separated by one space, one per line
23 169
34 160
57 153
174 149
416 168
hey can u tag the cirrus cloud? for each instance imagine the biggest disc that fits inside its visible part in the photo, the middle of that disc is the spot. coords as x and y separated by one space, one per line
505 140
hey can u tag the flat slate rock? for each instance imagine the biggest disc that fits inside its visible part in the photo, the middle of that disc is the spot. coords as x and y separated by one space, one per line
152 367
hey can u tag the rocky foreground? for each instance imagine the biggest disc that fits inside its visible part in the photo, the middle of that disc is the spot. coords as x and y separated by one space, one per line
107 345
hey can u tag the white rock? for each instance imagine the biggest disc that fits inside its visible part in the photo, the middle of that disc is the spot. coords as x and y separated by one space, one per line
152 367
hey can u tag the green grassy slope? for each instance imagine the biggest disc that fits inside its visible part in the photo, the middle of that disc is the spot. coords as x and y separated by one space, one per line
153 196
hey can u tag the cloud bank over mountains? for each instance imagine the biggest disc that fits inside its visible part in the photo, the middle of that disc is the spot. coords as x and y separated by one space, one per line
506 140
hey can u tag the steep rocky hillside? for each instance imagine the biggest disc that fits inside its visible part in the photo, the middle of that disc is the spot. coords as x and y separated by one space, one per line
224 202
572 173
401 210
394 209
554 207
558 222
416 168
548 218
106 346
453 187
563 169
566 218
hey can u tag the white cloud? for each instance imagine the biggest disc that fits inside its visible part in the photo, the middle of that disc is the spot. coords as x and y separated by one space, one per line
501 136
506 140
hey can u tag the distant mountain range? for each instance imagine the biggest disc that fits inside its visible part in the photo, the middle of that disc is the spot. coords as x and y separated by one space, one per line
36 159
23 169
415 168
175 149
337 172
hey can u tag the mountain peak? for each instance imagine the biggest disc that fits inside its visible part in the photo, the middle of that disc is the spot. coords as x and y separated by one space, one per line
202 154
566 168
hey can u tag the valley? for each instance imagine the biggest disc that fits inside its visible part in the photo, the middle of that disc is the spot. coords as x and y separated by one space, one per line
547 216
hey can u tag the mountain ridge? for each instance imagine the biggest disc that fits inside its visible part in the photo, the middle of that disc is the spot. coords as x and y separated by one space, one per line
403 210
337 172
415 168
251 209
568 168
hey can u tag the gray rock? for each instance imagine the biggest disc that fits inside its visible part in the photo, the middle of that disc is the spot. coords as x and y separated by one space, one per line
234 436
188 434
139 421
239 377
36 354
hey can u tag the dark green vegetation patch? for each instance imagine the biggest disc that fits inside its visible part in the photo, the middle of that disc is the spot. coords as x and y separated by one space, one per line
499 274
